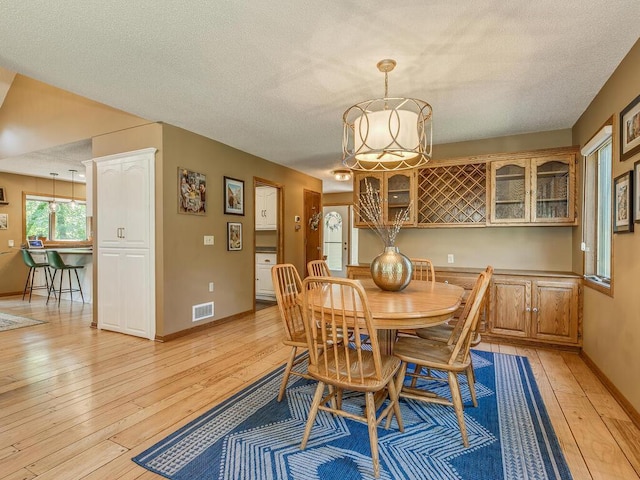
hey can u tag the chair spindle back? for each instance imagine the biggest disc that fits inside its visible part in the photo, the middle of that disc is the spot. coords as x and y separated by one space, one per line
332 306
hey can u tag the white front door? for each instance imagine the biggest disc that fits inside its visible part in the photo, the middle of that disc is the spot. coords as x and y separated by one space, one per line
336 238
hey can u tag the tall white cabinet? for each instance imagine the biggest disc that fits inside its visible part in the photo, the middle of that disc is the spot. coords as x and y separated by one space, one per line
126 242
266 208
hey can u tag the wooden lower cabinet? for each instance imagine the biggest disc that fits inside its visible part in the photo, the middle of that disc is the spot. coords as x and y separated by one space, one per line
540 309
523 307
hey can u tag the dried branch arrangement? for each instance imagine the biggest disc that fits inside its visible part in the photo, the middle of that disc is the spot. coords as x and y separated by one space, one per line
370 209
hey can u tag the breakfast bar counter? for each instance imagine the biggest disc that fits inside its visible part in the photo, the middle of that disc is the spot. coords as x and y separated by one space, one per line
70 256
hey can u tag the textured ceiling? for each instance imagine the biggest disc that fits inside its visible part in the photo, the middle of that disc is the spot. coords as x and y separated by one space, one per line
273 77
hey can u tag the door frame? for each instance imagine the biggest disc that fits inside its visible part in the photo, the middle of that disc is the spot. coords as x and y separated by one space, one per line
349 223
305 194
258 182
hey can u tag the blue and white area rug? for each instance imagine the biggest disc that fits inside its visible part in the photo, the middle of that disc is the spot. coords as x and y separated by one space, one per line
252 436
10 322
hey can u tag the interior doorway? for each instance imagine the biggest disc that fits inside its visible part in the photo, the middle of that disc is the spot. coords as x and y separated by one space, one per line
268 238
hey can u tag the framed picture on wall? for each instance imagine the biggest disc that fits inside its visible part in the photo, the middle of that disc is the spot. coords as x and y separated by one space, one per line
623 203
4 221
233 196
636 191
192 190
3 196
630 130
234 236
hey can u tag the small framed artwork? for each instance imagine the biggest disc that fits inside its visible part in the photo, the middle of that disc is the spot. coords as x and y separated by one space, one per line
192 192
630 130
4 221
623 203
234 236
233 196
3 196
636 191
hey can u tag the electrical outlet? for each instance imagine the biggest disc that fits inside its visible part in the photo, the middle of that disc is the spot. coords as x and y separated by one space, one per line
11 243
211 286
208 239
450 258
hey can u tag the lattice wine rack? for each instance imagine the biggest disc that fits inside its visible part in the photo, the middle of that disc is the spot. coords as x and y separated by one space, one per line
453 194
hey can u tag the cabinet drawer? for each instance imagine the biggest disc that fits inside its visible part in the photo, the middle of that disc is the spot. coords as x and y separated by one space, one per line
268 258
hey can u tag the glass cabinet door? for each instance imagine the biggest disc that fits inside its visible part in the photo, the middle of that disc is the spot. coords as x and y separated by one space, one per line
510 202
374 180
399 192
551 187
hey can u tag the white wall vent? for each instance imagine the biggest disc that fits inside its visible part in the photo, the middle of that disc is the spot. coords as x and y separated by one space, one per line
204 310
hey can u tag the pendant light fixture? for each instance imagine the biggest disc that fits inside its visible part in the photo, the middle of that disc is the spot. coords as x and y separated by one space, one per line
387 133
53 206
73 203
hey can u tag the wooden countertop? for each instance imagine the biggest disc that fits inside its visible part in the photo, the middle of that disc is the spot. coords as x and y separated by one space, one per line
497 271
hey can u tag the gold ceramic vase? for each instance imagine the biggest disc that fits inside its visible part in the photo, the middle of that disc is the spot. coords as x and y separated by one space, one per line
391 270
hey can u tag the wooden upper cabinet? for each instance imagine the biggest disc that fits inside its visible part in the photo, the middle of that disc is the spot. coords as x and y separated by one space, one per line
361 180
523 188
399 191
538 190
453 195
396 190
510 191
553 189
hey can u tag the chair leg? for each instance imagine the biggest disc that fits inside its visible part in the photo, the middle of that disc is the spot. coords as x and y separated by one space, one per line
53 288
49 281
416 371
393 397
60 292
70 287
287 373
457 405
313 411
471 382
373 432
33 277
79 286
26 285
400 377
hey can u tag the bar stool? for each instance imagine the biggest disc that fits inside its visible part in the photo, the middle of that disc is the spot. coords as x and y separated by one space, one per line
33 267
56 262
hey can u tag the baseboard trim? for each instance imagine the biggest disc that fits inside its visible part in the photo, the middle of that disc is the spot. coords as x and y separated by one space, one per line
619 397
182 333
10 294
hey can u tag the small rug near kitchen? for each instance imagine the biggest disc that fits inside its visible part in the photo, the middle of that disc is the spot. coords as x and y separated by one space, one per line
9 322
252 436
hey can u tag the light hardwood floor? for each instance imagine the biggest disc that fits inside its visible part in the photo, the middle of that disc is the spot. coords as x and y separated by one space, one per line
76 402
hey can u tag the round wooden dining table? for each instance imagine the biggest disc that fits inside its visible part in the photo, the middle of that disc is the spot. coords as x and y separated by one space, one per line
420 304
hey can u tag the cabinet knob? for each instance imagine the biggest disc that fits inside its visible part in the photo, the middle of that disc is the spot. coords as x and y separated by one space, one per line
528 309
535 310
446 281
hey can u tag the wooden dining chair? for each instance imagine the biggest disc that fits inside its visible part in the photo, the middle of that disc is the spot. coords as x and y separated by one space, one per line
422 269
448 332
318 268
288 286
451 358
341 304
